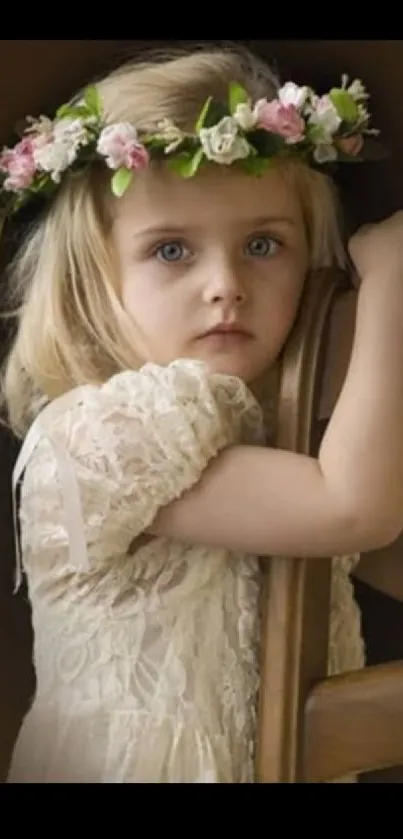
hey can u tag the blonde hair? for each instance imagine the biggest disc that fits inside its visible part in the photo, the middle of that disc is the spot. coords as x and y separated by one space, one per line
71 327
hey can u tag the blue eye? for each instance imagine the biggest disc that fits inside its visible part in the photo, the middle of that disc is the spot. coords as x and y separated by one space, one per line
171 252
262 246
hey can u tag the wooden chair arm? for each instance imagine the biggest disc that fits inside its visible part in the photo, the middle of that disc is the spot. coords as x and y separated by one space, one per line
340 714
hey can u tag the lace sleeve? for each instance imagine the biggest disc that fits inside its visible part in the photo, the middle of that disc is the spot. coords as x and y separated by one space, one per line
132 446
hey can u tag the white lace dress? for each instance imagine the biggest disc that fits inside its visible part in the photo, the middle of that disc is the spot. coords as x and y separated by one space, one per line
146 653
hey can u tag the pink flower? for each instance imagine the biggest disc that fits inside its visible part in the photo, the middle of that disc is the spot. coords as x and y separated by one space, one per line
351 145
137 157
120 146
19 164
280 119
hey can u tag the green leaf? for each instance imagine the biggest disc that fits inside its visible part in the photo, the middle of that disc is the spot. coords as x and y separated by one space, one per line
121 181
237 96
93 100
40 183
265 143
179 163
186 164
156 141
73 111
315 134
195 163
211 114
203 114
256 165
345 106
63 111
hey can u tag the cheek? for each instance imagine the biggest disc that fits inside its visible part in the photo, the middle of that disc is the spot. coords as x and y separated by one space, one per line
157 317
289 305
142 302
143 312
282 303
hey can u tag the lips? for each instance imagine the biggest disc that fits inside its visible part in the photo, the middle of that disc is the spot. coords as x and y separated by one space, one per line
227 329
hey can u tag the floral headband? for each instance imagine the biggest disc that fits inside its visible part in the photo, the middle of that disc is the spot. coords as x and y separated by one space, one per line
297 123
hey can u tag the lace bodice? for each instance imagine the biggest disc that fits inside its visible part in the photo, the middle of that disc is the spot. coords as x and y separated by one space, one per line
146 651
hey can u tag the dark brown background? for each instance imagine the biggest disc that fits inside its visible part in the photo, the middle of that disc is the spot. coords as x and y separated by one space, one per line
36 76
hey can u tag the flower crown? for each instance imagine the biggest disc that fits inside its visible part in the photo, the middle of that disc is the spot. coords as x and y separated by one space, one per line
297 123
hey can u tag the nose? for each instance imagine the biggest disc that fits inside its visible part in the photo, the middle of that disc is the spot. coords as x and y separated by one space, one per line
225 285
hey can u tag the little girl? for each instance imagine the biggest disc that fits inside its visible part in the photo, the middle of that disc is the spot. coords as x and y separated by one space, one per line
186 200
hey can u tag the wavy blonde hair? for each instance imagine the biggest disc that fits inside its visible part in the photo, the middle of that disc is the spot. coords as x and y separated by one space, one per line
71 326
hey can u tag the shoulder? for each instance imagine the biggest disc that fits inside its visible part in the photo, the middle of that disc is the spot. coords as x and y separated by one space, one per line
110 431
138 399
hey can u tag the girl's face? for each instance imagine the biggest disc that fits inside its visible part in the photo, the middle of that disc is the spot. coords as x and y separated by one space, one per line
211 268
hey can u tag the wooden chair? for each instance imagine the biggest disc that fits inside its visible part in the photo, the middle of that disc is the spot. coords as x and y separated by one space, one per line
314 728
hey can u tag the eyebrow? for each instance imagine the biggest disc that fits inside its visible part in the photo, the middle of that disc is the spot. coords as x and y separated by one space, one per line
262 221
171 230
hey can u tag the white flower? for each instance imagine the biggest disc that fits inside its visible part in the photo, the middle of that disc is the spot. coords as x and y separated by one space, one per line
325 118
291 94
222 143
115 141
70 131
363 113
171 133
325 153
245 117
40 125
56 152
357 90
54 158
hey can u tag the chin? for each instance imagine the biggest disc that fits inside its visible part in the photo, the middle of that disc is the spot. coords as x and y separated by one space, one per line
235 367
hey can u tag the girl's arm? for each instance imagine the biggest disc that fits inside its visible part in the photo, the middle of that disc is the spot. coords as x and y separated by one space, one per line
351 497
